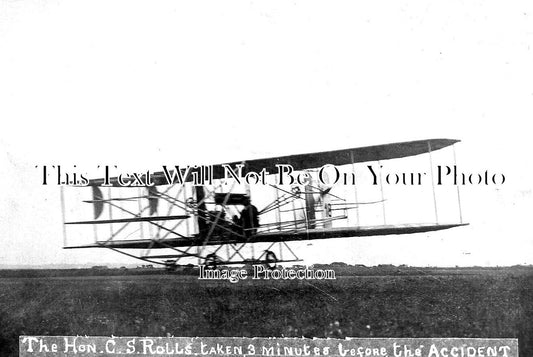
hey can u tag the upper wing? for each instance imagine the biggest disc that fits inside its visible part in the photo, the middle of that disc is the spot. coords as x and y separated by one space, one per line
318 159
348 156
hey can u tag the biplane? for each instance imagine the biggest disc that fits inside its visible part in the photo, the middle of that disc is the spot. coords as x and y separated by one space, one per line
173 221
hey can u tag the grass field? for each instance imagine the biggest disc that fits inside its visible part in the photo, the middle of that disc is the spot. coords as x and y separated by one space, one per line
485 304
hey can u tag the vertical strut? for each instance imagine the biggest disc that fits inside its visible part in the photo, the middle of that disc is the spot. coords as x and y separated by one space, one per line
95 229
355 188
294 214
139 193
197 220
433 183
110 211
458 193
187 228
278 211
382 195
63 215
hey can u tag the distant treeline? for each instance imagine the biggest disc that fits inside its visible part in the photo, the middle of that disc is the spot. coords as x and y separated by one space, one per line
341 269
50 273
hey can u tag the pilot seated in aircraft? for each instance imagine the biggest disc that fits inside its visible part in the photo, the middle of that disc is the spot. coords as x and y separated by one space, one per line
249 219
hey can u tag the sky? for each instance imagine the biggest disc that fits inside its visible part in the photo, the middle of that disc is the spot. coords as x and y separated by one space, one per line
140 84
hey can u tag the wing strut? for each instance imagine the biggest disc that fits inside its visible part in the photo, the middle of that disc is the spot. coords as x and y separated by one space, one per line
458 194
355 188
63 216
433 184
110 212
382 195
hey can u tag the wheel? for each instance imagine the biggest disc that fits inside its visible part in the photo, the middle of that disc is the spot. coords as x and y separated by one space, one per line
212 261
270 259
190 202
171 266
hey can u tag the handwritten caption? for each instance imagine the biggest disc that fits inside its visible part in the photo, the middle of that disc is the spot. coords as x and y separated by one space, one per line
62 346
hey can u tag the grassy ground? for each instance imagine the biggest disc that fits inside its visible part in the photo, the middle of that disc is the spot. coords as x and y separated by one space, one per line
480 305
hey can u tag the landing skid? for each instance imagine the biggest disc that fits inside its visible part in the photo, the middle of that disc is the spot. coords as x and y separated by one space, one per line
233 255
